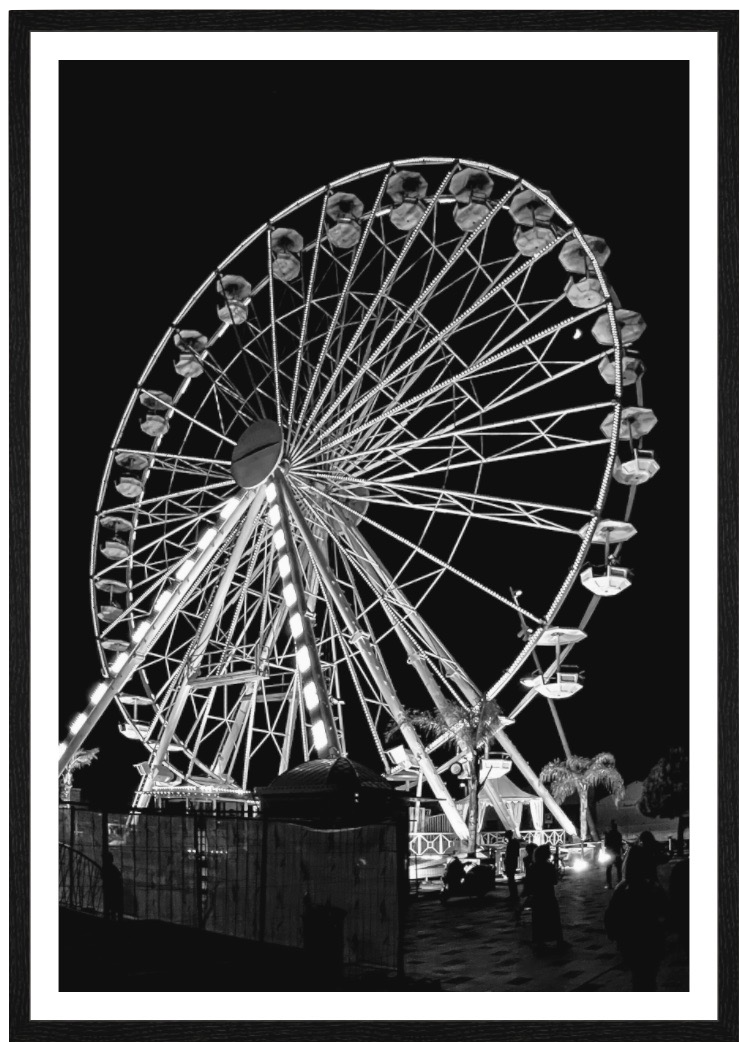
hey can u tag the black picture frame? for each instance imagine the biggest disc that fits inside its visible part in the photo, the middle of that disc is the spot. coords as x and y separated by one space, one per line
21 25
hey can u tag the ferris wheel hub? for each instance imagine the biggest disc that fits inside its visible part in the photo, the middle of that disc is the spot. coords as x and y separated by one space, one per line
257 453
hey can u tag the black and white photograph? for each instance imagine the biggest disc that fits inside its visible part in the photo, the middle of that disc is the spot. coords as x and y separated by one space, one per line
377 389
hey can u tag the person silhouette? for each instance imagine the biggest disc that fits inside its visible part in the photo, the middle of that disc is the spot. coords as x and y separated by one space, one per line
635 919
510 865
648 856
613 844
111 879
540 884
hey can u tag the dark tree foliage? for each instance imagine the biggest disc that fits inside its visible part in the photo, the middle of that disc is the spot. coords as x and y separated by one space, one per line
666 790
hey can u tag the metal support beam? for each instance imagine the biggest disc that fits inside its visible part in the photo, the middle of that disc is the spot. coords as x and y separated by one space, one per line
180 592
555 809
377 671
200 645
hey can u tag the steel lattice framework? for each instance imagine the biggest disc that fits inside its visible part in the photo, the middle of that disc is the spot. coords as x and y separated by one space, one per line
425 363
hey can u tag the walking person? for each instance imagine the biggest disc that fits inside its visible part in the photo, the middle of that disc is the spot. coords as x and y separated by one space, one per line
540 885
111 880
613 844
510 865
635 919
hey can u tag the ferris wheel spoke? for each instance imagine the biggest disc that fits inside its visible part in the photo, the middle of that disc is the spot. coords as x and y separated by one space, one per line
441 659
427 673
157 458
423 398
465 504
509 392
306 308
340 303
497 287
386 284
510 432
456 254
174 408
438 561
412 404
222 381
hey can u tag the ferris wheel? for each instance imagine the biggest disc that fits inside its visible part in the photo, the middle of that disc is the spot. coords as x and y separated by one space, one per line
412 398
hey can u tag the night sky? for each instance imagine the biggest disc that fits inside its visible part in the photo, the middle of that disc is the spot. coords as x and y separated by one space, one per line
166 166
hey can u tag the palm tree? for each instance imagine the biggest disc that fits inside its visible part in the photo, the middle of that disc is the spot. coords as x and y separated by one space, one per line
578 774
83 757
470 728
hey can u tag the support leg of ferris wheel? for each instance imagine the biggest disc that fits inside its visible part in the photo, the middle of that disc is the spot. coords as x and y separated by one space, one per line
200 645
227 752
415 659
468 689
375 667
472 693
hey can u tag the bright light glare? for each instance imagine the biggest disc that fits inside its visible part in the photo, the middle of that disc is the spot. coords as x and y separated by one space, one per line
580 864
184 569
289 594
161 601
206 537
278 539
229 506
61 749
603 857
98 692
284 566
319 735
296 625
274 514
310 695
303 659
140 630
271 492
118 663
76 722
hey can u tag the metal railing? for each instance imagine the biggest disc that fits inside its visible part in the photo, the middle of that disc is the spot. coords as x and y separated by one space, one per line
80 881
435 844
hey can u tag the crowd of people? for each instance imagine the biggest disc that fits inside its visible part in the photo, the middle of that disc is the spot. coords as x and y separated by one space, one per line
639 913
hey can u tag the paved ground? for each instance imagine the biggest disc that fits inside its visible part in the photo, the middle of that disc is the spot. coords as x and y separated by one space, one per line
464 945
472 945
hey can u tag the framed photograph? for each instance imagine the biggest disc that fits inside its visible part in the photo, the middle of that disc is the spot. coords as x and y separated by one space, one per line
372 395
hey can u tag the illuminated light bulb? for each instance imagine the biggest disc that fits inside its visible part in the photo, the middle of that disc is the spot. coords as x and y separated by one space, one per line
289 594
97 692
184 569
302 659
271 492
206 537
580 864
274 514
278 539
140 630
161 601
228 507
76 722
311 696
296 625
603 857
284 566
118 663
319 735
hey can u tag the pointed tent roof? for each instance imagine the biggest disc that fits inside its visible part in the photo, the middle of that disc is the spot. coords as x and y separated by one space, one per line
505 787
